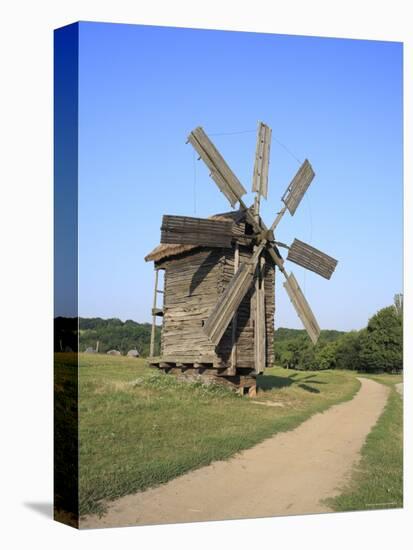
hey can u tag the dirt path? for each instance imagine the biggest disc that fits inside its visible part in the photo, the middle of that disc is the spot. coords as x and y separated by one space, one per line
290 473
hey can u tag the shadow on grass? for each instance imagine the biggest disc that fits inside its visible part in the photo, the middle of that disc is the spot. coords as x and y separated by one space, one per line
308 388
270 382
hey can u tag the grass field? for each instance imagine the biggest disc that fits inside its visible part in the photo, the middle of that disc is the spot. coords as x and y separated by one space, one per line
140 428
66 437
377 482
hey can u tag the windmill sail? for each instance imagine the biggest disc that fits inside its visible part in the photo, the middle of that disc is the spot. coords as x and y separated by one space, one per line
228 304
302 308
309 257
221 173
196 231
262 160
298 186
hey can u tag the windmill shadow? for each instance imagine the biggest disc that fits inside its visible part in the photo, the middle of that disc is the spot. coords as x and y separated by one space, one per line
311 380
270 382
308 388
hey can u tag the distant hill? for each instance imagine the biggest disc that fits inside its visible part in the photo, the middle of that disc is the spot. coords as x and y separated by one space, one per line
115 334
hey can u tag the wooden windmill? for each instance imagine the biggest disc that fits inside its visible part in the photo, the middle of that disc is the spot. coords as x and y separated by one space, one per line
219 277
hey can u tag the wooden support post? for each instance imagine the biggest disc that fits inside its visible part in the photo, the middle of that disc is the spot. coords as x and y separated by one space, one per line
153 331
257 208
278 218
260 320
252 391
233 367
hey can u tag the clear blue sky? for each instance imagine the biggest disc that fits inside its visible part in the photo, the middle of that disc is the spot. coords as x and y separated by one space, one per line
337 102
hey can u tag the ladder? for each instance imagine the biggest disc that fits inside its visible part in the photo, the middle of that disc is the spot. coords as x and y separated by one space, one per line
156 312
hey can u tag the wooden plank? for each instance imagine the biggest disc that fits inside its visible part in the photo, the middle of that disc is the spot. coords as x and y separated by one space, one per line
197 231
298 186
192 291
224 310
221 173
311 258
178 359
302 307
262 160
234 320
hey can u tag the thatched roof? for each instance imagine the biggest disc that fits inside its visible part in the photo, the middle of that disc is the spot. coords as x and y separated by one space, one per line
166 250
163 251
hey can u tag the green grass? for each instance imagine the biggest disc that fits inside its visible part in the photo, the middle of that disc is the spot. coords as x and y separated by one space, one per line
66 437
387 379
140 428
377 482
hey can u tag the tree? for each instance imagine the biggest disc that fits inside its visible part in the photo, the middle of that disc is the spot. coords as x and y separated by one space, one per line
325 356
347 351
398 304
297 354
290 357
381 344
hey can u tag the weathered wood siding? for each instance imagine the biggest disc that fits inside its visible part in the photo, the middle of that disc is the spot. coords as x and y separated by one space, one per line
244 327
245 321
269 285
192 285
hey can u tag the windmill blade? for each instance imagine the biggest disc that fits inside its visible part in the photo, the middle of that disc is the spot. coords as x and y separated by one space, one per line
262 160
302 308
298 186
309 257
223 312
221 173
196 231
260 324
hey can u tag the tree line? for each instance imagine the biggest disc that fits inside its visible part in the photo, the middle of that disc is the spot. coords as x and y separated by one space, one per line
115 334
73 334
376 348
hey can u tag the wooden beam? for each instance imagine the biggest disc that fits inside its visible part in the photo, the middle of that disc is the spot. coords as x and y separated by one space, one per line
187 360
260 321
233 368
262 160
